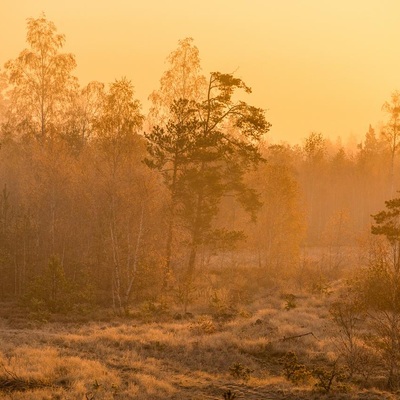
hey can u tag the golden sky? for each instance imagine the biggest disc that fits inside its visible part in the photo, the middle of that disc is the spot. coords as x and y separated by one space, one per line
317 65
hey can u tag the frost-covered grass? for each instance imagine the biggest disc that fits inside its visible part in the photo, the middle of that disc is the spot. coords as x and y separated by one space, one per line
164 358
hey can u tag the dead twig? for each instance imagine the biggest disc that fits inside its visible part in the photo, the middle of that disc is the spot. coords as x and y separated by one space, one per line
11 382
297 336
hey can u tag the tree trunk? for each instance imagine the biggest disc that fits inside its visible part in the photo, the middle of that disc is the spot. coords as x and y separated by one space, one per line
170 229
135 261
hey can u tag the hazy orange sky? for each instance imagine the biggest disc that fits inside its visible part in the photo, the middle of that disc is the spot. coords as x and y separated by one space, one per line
316 65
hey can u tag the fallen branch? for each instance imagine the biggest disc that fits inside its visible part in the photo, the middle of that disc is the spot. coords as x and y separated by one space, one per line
10 382
298 336
21 385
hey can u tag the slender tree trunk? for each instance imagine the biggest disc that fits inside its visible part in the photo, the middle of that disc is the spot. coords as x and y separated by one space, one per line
196 233
394 354
135 261
170 228
392 171
168 255
116 274
16 273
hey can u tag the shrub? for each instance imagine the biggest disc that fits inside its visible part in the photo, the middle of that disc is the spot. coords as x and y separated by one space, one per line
293 370
204 324
53 291
290 300
240 371
329 375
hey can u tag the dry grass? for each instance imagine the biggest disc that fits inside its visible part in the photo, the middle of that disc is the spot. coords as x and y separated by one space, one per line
175 359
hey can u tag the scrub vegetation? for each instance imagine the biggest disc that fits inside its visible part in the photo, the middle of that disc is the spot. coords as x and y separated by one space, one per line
179 253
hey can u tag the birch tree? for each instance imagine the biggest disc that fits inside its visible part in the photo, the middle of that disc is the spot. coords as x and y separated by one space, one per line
42 84
391 132
182 80
116 143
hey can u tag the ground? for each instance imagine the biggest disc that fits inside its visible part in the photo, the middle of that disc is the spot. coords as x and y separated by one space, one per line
168 355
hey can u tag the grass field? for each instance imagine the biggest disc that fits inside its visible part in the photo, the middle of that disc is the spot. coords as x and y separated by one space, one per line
169 356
